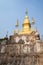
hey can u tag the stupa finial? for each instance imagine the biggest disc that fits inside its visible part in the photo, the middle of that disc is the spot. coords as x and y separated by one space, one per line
26 12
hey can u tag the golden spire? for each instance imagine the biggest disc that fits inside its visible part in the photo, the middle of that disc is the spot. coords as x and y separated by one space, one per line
26 19
26 26
26 23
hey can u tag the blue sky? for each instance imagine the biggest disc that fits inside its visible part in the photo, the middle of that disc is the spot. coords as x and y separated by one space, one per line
11 10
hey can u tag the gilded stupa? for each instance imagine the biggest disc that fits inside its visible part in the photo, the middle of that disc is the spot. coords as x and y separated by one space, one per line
26 26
